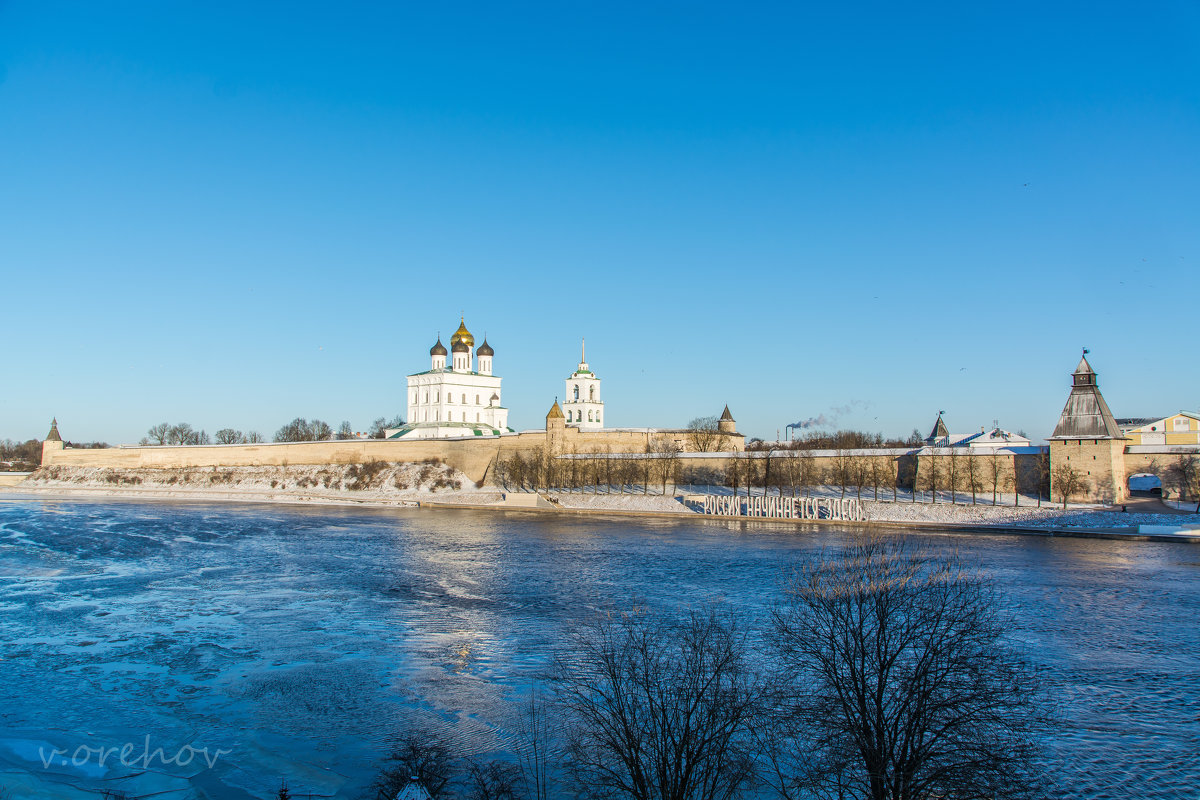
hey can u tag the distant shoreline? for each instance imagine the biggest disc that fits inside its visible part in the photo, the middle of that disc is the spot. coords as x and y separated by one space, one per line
431 501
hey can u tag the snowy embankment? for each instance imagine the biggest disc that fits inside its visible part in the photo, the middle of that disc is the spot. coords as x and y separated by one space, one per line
373 483
944 512
388 484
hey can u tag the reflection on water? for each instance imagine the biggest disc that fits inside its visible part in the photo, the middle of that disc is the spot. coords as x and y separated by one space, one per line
300 639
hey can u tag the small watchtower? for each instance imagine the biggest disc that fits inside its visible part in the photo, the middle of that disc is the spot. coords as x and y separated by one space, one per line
556 428
52 443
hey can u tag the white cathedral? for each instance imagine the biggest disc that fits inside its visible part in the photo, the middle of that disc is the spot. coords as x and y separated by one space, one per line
460 400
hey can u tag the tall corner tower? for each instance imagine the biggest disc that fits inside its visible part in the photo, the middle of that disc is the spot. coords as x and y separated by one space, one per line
52 443
584 408
1089 439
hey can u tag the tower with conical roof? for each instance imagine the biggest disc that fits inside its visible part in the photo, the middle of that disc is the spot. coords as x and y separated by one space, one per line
1088 439
940 435
584 408
556 428
52 443
726 423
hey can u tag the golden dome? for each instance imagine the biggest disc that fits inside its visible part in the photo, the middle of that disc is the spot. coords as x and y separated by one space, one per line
462 335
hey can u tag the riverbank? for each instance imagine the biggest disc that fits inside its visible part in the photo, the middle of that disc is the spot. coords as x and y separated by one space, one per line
435 485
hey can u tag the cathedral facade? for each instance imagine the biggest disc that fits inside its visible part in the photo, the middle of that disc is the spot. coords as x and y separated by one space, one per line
462 399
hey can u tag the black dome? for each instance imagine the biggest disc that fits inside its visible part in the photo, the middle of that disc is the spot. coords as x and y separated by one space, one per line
438 349
485 349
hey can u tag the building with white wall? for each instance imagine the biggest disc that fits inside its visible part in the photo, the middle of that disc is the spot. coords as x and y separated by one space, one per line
462 399
583 408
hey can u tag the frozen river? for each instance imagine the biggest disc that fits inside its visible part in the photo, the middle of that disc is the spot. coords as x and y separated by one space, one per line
292 642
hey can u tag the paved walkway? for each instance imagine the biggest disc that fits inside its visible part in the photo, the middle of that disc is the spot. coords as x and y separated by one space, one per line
1152 505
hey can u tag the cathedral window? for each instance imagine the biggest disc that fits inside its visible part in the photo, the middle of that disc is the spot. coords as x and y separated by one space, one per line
592 393
597 416
477 416
577 391
476 399
464 398
589 416
427 397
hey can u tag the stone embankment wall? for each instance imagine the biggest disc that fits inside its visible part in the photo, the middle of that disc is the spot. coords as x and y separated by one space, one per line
371 481
472 457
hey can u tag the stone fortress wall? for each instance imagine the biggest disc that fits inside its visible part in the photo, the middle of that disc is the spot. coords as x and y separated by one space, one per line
474 456
1086 440
477 456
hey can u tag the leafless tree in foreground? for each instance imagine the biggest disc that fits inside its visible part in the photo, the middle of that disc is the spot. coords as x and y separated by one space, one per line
538 750
660 707
898 683
422 755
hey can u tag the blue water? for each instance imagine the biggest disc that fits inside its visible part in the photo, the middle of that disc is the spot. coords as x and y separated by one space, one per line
292 642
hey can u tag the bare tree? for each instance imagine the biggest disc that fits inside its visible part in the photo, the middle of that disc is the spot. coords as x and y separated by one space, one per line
665 459
877 469
423 755
1042 465
254 437
538 747
660 707
841 471
995 471
930 473
704 435
1184 473
345 430
953 475
898 682
493 780
1069 482
181 434
229 436
160 432
973 475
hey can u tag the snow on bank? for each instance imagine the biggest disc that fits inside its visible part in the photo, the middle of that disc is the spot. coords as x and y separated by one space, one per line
941 513
374 482
380 483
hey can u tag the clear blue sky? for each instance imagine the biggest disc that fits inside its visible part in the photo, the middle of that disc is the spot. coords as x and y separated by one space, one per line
233 214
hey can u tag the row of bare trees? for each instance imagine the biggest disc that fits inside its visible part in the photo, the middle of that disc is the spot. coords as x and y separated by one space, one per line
784 472
885 672
298 430
655 469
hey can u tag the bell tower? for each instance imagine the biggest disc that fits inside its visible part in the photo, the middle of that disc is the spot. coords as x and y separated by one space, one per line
583 408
